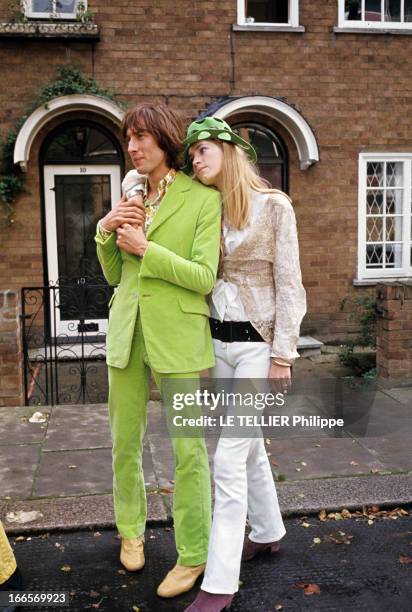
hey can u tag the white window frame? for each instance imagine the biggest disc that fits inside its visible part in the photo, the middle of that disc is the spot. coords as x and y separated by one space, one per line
373 25
53 14
405 270
293 21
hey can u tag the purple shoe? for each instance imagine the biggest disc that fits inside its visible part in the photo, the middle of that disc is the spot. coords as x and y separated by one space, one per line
251 549
210 602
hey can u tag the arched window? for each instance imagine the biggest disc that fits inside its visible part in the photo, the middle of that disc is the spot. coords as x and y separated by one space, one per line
81 142
271 152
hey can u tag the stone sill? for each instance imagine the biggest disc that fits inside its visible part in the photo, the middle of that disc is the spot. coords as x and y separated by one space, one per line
370 282
41 29
406 32
266 28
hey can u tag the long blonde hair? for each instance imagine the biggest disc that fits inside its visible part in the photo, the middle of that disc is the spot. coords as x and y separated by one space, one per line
239 176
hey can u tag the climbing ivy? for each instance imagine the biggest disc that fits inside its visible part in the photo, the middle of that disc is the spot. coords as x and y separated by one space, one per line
12 179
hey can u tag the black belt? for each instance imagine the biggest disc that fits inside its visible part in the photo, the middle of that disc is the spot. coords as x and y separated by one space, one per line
234 331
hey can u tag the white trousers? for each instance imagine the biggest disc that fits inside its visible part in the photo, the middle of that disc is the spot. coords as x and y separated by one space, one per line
243 479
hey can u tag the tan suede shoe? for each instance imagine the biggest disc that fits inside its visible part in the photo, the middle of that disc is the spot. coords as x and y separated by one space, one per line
180 579
132 554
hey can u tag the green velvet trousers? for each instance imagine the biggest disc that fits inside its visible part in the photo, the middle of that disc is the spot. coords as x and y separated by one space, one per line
128 397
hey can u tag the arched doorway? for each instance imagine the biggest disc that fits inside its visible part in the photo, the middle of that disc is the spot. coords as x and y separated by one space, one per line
81 165
272 153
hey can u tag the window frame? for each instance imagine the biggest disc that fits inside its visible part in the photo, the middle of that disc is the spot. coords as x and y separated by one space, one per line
377 274
53 14
293 21
351 24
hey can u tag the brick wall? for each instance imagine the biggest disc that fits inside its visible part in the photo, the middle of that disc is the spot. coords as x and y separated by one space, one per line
11 358
354 90
394 330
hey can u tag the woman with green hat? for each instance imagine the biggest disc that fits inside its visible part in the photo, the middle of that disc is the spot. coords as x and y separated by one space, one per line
257 307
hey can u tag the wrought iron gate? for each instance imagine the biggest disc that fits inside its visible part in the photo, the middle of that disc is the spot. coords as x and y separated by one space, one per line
65 367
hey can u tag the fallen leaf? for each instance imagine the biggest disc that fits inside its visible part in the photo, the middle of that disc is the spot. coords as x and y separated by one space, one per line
298 469
311 589
66 568
23 517
404 559
273 462
318 445
278 607
322 515
7 497
72 467
345 513
20 539
267 441
301 495
354 463
308 588
37 417
303 463
121 572
136 609
97 534
305 525
370 522
340 538
316 540
165 490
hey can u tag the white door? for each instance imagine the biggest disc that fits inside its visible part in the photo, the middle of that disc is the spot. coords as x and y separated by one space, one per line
76 197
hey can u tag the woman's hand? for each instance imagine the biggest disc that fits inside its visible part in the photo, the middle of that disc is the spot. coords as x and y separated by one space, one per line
280 378
126 211
132 240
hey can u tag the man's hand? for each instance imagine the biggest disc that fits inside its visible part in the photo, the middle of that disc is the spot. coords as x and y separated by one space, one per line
130 212
280 378
131 240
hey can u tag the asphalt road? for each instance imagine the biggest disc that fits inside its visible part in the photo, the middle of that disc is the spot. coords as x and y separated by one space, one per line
364 574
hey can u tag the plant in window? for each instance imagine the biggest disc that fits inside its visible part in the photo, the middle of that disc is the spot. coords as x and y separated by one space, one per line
83 15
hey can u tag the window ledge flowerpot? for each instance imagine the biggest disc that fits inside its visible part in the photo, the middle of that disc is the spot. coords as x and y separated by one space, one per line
56 30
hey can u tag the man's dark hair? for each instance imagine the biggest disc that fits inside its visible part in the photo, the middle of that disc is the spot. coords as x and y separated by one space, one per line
163 123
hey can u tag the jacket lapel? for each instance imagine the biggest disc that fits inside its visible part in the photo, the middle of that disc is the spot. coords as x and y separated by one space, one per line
172 201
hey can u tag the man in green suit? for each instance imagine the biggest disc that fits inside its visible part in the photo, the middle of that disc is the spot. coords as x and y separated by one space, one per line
163 258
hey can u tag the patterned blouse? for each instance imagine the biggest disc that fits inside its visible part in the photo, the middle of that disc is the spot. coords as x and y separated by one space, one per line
260 278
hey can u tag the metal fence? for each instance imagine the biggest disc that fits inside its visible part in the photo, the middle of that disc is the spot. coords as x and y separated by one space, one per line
64 342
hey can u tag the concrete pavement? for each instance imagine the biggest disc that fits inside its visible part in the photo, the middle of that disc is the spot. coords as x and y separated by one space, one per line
61 468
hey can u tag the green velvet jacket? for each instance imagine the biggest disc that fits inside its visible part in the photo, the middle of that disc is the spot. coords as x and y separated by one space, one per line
169 285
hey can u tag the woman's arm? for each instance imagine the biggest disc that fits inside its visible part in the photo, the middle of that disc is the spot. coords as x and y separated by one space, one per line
290 293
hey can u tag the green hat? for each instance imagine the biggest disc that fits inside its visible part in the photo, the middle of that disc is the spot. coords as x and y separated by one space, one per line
218 129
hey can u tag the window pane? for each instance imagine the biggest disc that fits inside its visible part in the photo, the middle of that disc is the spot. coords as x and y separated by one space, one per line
408 10
66 6
374 202
394 174
374 229
393 256
267 11
374 174
42 6
392 10
394 202
393 229
374 256
372 10
353 10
